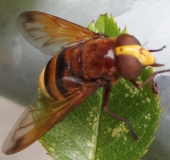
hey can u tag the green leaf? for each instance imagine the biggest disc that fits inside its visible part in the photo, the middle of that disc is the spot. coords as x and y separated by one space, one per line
107 26
89 133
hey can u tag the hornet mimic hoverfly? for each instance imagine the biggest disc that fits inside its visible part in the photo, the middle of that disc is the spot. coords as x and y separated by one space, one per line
86 62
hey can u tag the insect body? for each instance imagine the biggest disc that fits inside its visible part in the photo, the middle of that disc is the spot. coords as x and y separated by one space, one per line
89 63
86 62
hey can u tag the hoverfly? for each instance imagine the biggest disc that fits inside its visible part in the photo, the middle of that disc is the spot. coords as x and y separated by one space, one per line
86 62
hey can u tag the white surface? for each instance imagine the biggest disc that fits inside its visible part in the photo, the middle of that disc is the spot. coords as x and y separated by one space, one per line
20 63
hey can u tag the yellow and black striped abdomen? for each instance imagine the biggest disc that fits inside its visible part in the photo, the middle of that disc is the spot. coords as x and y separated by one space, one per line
58 80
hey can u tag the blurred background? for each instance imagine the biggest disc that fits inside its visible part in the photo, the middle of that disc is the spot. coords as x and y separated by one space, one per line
21 63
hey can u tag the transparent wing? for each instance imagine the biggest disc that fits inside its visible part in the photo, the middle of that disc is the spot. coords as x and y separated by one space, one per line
48 33
41 116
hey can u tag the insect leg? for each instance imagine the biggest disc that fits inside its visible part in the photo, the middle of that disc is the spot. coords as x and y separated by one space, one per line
104 106
154 87
148 80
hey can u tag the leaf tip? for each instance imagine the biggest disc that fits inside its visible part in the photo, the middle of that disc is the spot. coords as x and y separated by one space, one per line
105 14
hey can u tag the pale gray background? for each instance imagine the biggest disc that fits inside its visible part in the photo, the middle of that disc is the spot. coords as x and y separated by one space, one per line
20 63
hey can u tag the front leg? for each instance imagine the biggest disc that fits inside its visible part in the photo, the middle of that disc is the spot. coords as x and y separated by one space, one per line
154 85
104 106
148 80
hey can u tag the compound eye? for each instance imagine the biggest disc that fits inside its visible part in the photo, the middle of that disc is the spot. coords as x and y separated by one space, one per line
128 66
126 39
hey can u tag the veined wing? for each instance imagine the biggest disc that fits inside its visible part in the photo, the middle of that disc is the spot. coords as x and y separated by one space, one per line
41 116
48 33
